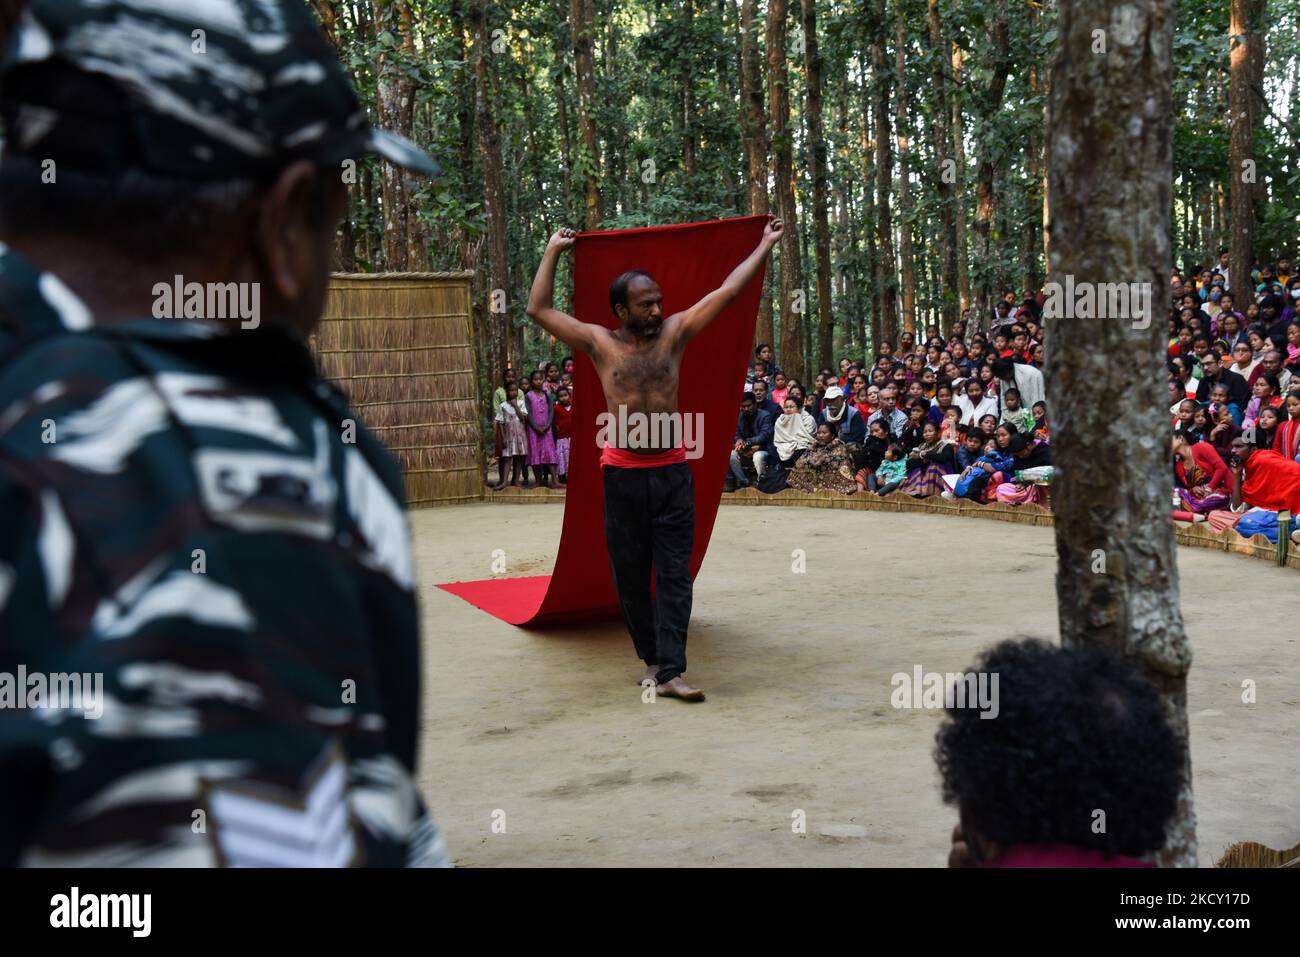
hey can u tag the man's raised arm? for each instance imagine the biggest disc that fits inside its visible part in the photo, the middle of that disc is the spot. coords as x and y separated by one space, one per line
575 334
697 318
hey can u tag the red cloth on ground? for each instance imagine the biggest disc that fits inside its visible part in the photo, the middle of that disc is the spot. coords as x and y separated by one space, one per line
689 260
1272 482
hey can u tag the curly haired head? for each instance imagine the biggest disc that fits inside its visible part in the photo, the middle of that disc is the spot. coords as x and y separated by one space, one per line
1077 730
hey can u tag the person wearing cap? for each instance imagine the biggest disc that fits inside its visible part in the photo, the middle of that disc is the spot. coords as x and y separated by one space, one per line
841 416
212 533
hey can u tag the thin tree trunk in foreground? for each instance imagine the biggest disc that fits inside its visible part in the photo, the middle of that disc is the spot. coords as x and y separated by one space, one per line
1117 580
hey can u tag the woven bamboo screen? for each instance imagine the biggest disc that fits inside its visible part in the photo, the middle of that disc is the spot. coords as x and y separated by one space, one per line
399 345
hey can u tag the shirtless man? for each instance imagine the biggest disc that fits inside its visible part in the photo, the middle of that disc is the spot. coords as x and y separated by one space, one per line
649 495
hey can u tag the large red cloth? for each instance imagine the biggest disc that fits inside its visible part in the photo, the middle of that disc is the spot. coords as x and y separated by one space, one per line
689 261
1272 482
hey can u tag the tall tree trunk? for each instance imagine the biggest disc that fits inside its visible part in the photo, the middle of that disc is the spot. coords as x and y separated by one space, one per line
869 208
345 244
688 94
991 152
726 96
1117 580
753 127
504 345
793 297
395 104
946 168
1241 146
905 209
580 23
1258 30
1034 162
464 102
817 149
959 187
882 78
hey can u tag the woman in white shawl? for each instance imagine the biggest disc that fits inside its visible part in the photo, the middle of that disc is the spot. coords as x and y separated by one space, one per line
796 433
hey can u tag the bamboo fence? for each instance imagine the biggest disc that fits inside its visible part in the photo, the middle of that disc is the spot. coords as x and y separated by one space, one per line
1199 535
399 345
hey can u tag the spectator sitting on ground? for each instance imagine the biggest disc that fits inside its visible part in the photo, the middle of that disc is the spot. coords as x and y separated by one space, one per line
1032 460
843 418
1015 413
872 454
762 401
1263 479
894 418
1213 374
827 466
975 404
1028 785
917 416
753 441
795 433
891 472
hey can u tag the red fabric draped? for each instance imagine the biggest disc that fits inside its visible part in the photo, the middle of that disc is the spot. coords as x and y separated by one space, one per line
689 261
1272 482
1286 441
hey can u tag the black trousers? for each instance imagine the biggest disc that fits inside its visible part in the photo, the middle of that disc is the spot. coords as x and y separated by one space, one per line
650 523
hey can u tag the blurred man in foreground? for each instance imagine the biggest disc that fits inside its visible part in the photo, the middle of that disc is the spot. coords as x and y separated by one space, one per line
205 567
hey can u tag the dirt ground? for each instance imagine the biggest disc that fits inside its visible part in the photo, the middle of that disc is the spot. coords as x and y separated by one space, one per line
539 751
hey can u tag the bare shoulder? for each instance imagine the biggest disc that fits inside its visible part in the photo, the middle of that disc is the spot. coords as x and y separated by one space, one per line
675 329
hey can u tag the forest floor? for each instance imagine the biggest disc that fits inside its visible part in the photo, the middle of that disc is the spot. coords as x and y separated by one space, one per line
537 748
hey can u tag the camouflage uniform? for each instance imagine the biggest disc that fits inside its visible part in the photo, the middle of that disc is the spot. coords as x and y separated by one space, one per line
182 512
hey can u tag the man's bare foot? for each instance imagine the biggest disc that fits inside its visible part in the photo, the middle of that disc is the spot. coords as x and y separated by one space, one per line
648 675
677 688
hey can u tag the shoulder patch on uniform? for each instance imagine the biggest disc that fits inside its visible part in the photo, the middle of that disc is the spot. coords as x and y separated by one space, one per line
257 825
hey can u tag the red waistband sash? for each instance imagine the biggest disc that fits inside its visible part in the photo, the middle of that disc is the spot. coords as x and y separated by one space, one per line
623 459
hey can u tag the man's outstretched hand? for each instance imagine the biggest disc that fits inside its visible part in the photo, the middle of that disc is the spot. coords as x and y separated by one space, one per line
562 239
774 231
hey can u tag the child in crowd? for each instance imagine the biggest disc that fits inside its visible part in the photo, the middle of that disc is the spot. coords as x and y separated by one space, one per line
892 471
780 387
513 438
970 448
1041 428
1015 413
950 429
563 431
541 443
872 454
1266 426
1219 398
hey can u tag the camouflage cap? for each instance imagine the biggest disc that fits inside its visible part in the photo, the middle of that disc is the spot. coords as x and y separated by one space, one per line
208 88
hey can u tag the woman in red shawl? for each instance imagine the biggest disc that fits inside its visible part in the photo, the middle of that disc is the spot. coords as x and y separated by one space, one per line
1286 440
1264 479
1204 482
